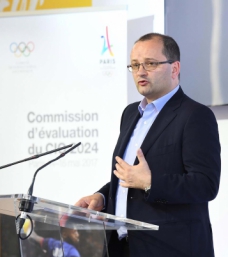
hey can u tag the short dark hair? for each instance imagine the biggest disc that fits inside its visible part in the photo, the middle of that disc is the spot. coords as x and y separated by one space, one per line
171 49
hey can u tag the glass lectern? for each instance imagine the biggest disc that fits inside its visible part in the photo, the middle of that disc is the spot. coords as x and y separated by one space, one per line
62 229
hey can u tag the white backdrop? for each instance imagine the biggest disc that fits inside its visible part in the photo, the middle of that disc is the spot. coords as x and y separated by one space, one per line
63 80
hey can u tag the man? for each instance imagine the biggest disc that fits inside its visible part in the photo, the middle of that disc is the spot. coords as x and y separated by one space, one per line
166 163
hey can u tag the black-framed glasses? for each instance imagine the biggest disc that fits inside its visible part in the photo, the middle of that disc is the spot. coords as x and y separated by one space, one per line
148 66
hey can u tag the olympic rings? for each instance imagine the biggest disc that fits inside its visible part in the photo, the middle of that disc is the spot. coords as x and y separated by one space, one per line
22 48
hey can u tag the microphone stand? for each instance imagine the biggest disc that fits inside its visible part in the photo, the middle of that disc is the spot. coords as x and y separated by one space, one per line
26 205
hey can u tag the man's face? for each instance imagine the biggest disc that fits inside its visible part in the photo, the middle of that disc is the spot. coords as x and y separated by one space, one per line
156 83
70 234
74 235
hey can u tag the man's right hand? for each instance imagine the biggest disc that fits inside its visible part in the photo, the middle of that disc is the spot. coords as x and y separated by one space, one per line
93 202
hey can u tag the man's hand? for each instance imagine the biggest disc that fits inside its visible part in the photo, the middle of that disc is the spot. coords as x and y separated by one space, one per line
138 176
93 202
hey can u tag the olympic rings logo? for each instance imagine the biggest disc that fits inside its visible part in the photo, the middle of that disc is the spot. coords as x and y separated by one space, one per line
22 49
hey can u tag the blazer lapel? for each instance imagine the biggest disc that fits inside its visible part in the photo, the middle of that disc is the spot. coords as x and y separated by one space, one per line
121 146
123 141
163 119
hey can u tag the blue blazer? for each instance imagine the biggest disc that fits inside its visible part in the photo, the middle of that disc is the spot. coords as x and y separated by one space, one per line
183 152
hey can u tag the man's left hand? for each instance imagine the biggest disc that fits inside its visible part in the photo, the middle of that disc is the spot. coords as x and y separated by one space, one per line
137 176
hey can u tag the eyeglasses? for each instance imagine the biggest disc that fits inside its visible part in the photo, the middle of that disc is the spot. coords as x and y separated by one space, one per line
148 66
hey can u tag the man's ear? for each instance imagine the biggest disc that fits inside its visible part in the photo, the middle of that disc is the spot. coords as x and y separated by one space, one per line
175 69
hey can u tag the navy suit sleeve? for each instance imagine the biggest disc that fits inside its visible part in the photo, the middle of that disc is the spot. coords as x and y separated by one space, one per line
105 190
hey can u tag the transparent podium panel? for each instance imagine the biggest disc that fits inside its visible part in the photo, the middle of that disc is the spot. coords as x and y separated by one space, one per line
68 240
58 229
50 240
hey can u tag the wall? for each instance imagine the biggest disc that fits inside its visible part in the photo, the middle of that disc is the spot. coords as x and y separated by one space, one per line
200 28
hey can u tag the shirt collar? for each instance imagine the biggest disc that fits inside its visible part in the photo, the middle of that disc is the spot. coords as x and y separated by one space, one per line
158 103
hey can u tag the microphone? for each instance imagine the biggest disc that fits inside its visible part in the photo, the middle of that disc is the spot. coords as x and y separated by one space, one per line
36 156
26 205
30 191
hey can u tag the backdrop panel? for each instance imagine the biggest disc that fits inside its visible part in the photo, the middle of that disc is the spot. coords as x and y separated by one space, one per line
63 80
